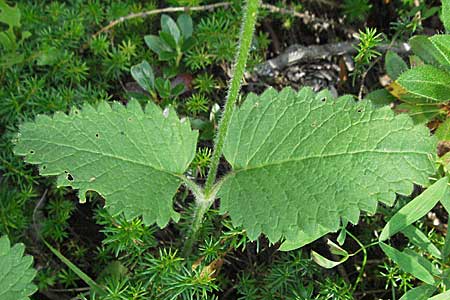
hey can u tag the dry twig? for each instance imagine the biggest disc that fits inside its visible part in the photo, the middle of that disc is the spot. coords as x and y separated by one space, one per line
159 11
272 8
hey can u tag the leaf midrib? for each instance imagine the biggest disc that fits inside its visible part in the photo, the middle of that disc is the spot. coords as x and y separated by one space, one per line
114 156
285 161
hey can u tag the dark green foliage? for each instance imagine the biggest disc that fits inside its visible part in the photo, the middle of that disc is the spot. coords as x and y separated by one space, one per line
51 61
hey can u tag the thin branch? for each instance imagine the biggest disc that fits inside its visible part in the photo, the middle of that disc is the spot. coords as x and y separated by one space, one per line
159 11
272 8
275 9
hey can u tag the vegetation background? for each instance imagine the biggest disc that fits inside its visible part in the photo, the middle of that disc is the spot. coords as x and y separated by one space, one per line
55 55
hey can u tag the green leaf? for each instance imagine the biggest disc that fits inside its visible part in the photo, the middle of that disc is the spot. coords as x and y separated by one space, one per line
395 65
408 264
336 249
425 49
418 238
446 248
134 159
441 43
443 131
419 113
169 26
16 276
380 97
431 268
184 22
445 16
143 74
9 15
156 44
303 238
301 162
419 293
428 82
416 208
168 39
442 296
325 262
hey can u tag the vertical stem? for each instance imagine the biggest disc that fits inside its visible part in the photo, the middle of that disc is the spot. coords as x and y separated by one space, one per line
364 262
201 207
245 41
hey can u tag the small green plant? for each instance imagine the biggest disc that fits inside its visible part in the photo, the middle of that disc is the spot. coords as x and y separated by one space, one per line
9 43
175 38
423 88
158 88
366 50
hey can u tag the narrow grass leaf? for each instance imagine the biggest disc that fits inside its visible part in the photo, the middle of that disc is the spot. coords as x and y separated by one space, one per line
408 264
418 238
419 293
416 208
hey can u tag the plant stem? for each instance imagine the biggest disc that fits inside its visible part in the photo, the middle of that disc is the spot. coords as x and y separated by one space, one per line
364 262
241 61
201 207
245 41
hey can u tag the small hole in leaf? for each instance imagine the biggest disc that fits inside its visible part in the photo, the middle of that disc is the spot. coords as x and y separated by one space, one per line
359 110
65 171
96 135
69 177
31 151
323 99
44 167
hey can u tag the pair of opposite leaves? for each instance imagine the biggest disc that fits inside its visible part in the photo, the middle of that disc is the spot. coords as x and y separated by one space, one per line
300 161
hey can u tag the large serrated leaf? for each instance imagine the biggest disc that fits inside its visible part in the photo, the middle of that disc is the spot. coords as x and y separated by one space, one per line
16 274
134 159
301 162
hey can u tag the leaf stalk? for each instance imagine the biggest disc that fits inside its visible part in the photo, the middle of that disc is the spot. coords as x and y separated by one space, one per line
204 202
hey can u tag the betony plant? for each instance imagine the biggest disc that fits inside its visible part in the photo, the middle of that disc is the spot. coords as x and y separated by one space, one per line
301 162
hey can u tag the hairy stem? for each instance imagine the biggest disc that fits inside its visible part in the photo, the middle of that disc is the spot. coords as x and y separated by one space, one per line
245 40
233 92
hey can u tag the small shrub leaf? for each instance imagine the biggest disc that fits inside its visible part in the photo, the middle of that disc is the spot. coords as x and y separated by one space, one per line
144 76
395 65
169 26
134 159
428 82
302 161
184 22
441 43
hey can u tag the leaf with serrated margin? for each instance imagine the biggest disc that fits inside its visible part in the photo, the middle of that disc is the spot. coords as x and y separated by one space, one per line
301 162
16 273
134 159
